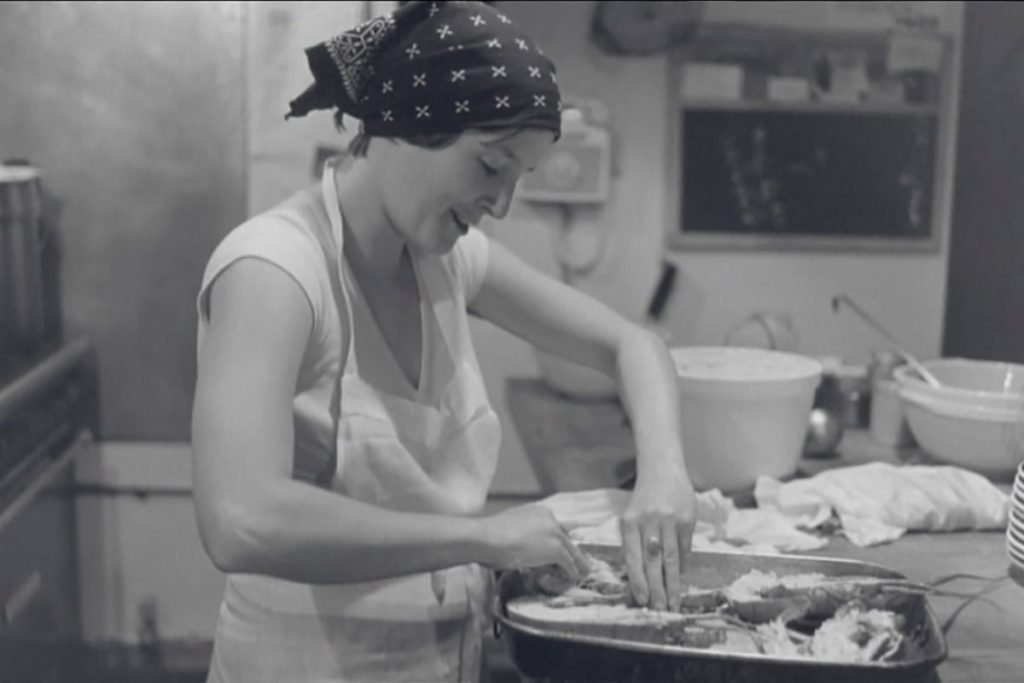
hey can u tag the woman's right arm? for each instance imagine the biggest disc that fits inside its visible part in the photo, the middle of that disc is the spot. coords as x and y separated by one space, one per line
255 518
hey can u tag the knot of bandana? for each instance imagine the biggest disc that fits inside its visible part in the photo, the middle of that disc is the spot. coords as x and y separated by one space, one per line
434 67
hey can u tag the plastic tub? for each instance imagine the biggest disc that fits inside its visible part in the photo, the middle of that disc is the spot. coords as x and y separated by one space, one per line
744 413
979 383
974 420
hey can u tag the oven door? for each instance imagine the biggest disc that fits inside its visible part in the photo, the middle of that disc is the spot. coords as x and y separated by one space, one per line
40 609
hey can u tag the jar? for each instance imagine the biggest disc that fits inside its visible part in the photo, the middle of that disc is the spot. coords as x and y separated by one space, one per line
888 424
21 279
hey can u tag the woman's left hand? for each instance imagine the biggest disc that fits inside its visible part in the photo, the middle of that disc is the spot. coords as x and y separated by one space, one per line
657 527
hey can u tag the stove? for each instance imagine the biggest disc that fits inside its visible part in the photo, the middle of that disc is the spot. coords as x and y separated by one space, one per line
48 420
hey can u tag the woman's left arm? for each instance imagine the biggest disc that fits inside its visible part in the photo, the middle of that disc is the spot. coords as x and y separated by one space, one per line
567 323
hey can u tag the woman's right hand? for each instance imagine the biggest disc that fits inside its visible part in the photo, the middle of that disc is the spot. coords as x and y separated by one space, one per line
530 536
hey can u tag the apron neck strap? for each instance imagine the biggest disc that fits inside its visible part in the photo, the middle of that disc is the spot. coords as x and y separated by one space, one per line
330 192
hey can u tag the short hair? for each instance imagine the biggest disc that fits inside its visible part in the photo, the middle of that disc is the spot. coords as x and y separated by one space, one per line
361 142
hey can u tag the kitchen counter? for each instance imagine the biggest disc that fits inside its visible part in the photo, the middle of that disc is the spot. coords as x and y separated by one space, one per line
578 445
574 444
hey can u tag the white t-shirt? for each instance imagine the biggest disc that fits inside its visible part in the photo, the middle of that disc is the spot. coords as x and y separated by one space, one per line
286 237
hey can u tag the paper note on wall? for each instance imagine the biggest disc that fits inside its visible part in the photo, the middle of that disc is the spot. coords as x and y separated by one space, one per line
875 15
711 81
909 52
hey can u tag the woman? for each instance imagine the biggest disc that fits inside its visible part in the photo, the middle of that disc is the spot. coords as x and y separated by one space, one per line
343 439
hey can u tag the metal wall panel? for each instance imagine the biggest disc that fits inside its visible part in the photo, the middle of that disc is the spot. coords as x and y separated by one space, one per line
135 113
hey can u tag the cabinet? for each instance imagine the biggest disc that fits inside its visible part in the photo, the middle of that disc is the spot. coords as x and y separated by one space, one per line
797 139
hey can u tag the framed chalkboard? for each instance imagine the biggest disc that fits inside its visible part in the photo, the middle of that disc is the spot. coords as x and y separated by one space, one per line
795 139
808 174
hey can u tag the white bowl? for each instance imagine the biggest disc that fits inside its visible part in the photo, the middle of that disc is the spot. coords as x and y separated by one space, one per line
1015 546
1015 558
988 384
744 413
1017 517
964 424
1015 554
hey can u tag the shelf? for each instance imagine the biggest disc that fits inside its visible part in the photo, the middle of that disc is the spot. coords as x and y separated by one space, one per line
810 107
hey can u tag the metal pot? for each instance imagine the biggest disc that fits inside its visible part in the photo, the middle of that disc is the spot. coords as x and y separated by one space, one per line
22 315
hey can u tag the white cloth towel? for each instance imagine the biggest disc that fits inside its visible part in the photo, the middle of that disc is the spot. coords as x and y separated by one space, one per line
592 517
875 503
878 502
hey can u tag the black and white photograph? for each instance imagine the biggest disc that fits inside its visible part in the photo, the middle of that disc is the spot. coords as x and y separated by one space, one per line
511 342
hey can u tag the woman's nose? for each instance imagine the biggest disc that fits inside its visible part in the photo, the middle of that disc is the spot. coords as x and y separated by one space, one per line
499 207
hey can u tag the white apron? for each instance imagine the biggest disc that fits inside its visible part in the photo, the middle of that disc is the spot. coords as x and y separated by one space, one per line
394 453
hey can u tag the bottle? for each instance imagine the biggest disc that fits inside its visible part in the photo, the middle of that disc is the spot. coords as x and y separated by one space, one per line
887 424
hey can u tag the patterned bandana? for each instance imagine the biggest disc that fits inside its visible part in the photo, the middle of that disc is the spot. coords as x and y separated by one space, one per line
434 67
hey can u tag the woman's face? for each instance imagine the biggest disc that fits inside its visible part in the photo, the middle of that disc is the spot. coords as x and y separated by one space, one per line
432 196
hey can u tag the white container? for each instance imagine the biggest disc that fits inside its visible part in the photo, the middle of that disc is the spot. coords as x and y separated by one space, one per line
976 440
888 424
973 420
744 413
977 383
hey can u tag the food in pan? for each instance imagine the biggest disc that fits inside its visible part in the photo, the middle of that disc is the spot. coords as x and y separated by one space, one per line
834 618
853 634
600 579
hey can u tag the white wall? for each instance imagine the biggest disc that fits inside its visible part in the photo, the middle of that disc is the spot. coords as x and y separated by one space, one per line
715 290
138 550
280 153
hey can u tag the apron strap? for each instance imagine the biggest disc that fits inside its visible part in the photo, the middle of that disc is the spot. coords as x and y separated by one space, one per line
331 245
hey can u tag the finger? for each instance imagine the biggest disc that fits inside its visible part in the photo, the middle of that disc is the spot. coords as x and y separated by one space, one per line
631 547
567 559
654 567
578 557
684 532
562 558
672 564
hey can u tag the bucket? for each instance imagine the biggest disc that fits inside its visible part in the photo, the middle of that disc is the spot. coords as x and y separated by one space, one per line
744 413
22 315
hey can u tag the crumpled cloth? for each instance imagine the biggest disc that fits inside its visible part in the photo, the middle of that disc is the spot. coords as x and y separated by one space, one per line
879 502
592 517
874 503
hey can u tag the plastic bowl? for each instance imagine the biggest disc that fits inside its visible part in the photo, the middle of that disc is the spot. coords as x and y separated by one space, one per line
1015 521
1014 544
1016 556
974 419
744 413
1015 527
980 383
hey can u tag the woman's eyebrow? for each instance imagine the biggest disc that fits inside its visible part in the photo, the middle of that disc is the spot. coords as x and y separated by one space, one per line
499 144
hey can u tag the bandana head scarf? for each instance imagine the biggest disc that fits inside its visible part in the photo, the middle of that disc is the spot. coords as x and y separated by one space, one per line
432 68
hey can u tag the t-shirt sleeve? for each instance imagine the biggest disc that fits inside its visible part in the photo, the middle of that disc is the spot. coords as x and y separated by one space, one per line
278 242
471 255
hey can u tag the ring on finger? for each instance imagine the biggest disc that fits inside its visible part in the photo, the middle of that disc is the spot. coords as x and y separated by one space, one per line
653 546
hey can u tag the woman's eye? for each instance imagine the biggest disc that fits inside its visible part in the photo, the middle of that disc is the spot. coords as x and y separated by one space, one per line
488 169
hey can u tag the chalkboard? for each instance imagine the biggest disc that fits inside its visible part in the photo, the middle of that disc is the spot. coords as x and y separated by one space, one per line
814 174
